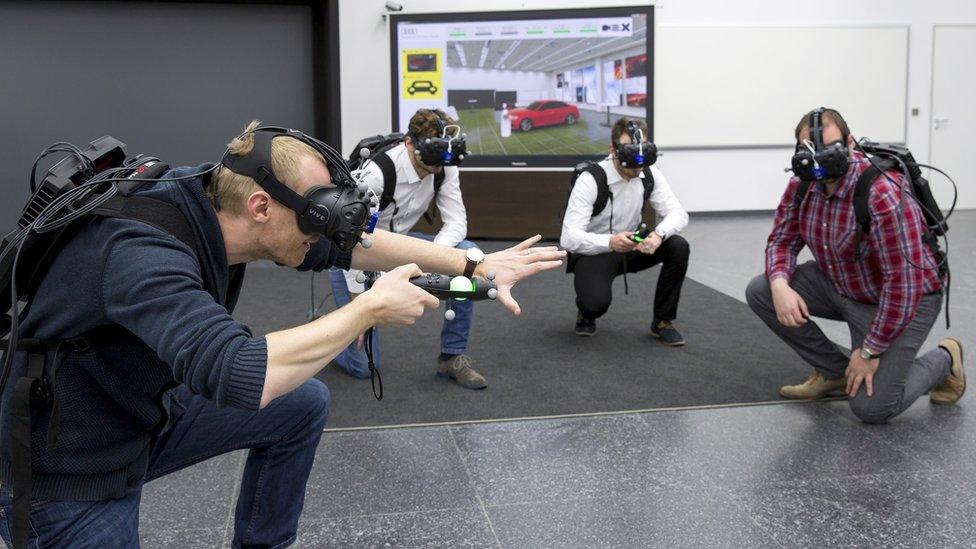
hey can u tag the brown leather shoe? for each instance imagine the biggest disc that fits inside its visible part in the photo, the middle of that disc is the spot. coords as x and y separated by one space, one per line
815 386
950 390
459 369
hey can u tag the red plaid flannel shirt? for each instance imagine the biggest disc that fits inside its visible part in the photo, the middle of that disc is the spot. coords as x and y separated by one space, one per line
827 225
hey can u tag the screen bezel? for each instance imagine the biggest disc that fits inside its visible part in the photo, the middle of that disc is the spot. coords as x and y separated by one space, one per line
523 161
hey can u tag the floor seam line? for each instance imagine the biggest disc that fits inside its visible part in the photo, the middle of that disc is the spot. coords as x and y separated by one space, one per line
467 471
582 415
391 514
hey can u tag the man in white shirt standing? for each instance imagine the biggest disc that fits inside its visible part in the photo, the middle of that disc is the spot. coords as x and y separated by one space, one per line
415 174
599 231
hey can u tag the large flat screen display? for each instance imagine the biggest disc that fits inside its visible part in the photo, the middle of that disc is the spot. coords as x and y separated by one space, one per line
529 88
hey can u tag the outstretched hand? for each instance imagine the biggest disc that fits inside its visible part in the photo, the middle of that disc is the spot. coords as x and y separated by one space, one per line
518 263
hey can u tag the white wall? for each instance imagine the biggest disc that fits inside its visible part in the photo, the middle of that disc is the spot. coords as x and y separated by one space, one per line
708 179
528 83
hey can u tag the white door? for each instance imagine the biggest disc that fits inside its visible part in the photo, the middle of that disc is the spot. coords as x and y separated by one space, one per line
954 113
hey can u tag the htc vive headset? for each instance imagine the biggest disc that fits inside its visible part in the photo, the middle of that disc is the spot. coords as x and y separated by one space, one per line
447 148
815 160
639 152
339 213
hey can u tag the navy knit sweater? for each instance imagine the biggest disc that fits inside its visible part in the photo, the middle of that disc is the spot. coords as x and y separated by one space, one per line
136 294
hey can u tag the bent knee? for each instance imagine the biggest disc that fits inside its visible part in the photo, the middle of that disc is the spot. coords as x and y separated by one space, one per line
593 306
679 247
870 410
355 362
758 293
313 397
359 372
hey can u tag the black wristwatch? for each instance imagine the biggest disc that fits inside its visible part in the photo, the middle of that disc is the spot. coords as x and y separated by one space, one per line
474 257
868 354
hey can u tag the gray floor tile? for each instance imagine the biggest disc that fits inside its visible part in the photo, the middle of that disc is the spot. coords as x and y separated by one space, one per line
181 537
434 529
693 518
198 497
940 436
389 471
761 444
916 510
804 513
922 509
569 458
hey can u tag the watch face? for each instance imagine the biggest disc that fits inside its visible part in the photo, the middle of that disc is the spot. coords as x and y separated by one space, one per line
475 255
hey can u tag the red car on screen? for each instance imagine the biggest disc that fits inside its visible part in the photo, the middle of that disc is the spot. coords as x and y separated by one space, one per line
543 113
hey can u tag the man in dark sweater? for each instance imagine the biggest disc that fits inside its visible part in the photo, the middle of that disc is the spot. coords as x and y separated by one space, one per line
164 377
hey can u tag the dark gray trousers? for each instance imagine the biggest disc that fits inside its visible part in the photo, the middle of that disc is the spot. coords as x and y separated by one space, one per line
902 376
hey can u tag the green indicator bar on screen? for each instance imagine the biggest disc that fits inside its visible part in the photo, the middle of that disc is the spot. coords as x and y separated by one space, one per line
561 31
459 34
535 32
587 30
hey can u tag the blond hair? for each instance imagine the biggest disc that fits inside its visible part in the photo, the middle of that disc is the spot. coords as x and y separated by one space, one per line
228 190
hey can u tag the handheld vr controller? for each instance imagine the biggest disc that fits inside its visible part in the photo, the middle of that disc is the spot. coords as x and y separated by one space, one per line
446 288
641 233
461 288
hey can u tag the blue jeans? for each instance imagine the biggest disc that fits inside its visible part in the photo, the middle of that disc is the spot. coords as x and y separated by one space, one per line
282 439
454 333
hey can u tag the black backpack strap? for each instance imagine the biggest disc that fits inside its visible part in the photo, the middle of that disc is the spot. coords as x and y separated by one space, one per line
439 178
862 199
156 213
801 193
388 169
602 188
29 389
162 215
648 182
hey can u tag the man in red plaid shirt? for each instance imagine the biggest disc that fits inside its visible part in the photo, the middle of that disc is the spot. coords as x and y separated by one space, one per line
885 284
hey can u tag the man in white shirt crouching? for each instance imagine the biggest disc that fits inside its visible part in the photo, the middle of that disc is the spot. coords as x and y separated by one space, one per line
603 214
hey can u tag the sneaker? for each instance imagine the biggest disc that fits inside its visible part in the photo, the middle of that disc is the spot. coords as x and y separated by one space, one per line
667 334
816 386
950 390
458 368
585 326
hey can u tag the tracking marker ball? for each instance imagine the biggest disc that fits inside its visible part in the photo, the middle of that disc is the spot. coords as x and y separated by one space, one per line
461 284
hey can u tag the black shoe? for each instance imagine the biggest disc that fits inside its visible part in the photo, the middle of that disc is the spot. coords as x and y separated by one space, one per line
585 326
664 331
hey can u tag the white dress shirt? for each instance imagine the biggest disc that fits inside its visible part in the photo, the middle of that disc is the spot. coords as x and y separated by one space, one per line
590 235
411 199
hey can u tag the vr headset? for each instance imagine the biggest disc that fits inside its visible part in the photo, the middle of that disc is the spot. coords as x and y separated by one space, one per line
340 213
450 149
638 153
815 160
